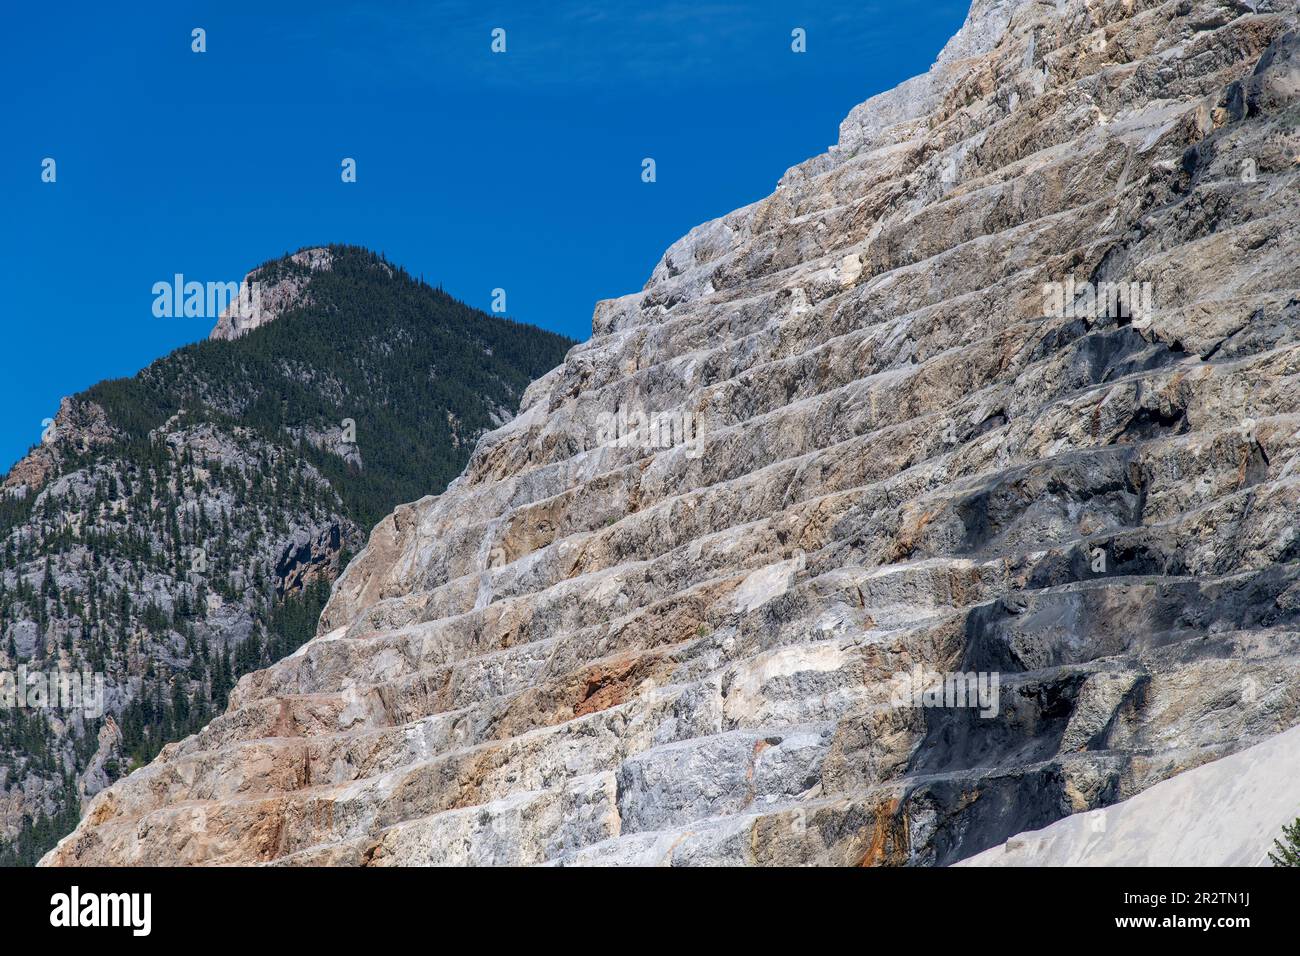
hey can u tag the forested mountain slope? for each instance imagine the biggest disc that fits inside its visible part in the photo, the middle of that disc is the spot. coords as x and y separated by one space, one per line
182 527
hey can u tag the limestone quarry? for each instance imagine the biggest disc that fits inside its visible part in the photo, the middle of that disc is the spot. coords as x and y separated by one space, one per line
907 459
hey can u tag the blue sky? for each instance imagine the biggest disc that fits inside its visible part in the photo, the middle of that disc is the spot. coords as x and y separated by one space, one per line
519 170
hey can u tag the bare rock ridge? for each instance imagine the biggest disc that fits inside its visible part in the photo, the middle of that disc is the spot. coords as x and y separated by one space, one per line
885 451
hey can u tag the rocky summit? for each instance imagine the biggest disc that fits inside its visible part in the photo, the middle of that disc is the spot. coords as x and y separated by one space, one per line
946 492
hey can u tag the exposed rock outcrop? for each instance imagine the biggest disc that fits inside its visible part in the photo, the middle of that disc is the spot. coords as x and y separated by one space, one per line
904 448
105 763
1226 813
277 290
271 290
310 555
76 428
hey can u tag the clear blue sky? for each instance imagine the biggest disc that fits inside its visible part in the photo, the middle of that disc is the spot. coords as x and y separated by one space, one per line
519 170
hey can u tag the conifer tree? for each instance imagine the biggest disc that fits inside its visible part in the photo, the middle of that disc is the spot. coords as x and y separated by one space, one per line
1286 851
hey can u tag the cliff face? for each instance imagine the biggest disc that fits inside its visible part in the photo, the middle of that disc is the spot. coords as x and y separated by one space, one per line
1003 384
274 296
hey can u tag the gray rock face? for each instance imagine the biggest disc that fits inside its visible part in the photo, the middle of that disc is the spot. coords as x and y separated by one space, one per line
1001 387
101 769
75 428
308 557
272 297
1226 813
